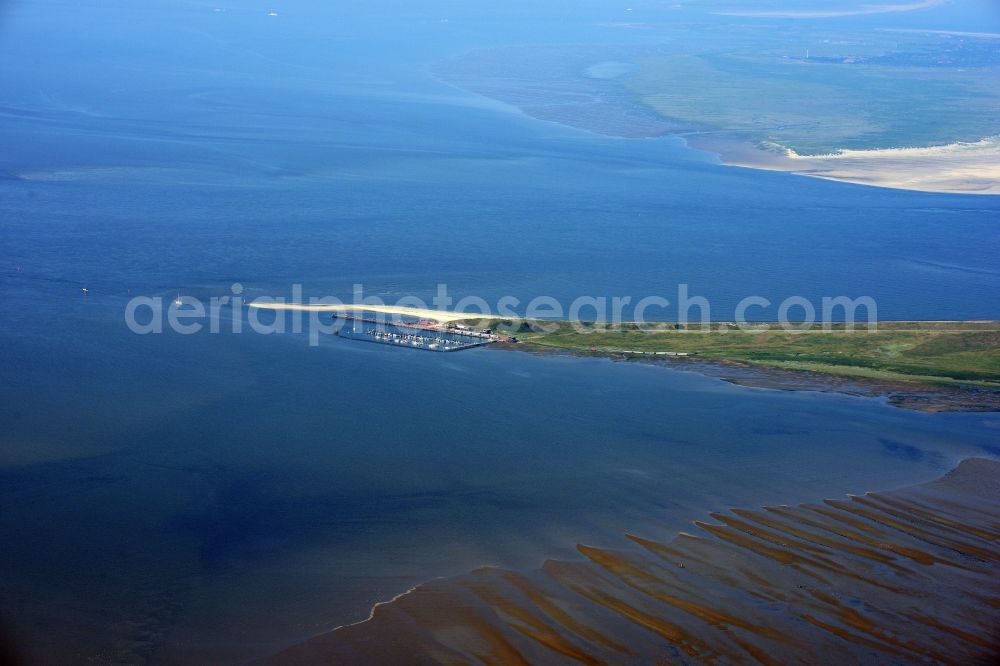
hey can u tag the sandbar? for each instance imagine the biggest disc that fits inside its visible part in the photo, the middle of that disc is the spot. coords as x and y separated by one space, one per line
957 168
441 316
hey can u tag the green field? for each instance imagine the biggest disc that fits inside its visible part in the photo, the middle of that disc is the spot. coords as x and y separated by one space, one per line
945 352
811 89
817 93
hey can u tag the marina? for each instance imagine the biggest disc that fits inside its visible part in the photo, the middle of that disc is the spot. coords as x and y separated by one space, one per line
424 335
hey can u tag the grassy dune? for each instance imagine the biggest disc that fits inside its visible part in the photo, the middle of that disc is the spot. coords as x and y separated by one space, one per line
921 351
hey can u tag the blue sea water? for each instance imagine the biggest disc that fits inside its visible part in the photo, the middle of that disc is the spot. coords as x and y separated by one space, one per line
170 498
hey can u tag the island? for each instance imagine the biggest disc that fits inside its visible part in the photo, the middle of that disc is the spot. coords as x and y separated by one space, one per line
924 365
896 108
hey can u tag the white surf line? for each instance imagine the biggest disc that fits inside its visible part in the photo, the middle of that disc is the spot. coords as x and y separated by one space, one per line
990 143
371 613
957 168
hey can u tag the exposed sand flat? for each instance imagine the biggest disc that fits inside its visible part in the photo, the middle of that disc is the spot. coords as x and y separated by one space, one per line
860 10
442 316
958 168
904 576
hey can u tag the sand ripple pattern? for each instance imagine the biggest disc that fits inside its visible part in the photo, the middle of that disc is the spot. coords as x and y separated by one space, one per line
905 576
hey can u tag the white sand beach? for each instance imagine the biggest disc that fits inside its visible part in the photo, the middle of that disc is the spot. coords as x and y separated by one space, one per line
958 168
441 316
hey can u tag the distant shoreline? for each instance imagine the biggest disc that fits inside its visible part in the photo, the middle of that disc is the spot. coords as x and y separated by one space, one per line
860 10
970 166
957 168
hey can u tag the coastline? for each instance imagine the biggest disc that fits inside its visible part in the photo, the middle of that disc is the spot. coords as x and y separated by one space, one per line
927 397
861 10
957 168
608 91
768 585
958 371
771 359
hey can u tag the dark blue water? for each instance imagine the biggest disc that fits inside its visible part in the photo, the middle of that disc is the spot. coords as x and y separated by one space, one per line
172 146
171 497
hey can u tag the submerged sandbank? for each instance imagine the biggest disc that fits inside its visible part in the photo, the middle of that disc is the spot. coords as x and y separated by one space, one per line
957 168
905 575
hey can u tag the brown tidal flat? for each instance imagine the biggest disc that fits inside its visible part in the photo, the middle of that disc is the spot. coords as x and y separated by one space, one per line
904 576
